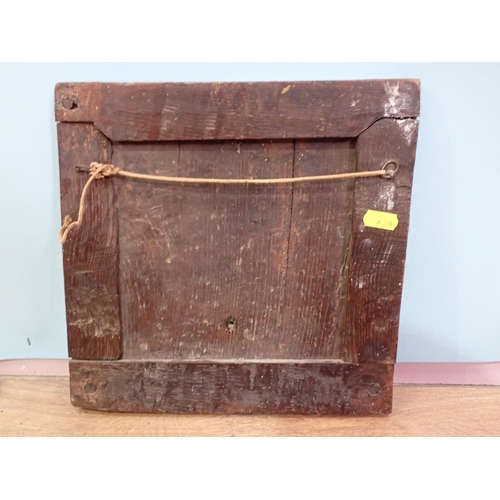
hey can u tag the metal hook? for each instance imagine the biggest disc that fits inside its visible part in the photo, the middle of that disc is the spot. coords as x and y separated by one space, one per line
391 167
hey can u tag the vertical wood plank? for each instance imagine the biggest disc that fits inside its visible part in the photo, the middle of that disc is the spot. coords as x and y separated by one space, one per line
90 253
147 214
378 256
320 225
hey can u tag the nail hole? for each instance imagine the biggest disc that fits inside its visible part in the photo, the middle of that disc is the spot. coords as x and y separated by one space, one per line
230 324
373 389
70 103
90 388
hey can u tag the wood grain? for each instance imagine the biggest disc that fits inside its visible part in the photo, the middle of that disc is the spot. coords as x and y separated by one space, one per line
90 253
204 287
213 111
377 259
314 306
203 266
41 407
234 271
232 386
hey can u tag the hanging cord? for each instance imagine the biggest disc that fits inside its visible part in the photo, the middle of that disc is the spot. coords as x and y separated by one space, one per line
101 170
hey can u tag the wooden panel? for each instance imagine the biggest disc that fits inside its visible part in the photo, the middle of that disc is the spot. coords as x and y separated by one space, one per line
208 111
203 266
378 256
90 253
232 387
234 298
319 232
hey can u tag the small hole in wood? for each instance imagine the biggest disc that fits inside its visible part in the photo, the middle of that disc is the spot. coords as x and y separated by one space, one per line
230 324
70 103
373 389
90 388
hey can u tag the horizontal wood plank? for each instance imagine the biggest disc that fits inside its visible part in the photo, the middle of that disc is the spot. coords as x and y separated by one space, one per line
41 407
259 110
231 387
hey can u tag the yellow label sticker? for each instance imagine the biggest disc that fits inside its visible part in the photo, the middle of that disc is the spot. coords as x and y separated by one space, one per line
381 220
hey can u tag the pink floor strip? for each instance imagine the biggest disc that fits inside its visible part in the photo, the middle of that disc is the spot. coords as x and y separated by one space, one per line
405 373
448 373
35 367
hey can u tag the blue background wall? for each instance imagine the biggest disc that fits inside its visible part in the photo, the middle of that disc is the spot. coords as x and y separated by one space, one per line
451 298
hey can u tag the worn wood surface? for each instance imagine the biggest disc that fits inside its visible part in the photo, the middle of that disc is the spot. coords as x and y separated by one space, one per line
41 407
376 263
203 266
233 271
237 273
231 387
319 232
90 254
211 111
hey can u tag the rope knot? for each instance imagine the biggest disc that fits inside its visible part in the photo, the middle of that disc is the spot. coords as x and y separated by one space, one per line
97 171
103 170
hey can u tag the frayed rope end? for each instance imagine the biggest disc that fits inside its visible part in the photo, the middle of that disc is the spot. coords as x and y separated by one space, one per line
97 171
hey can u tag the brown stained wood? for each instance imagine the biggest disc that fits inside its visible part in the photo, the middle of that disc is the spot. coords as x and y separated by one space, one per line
377 258
41 407
314 307
146 211
203 266
231 387
90 253
213 111
205 284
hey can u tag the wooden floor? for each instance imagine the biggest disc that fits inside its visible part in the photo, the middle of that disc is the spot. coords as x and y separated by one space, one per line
39 406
